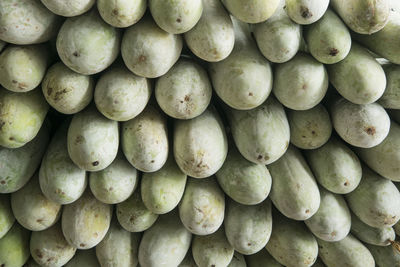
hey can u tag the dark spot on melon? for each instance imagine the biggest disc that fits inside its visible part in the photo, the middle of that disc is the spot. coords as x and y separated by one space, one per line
49 91
305 12
333 52
115 12
250 94
307 211
76 54
39 253
82 245
22 86
370 130
79 140
58 94
14 81
142 58
96 163
178 20
198 209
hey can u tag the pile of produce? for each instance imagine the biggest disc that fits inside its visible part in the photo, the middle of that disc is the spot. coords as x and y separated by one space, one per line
210 133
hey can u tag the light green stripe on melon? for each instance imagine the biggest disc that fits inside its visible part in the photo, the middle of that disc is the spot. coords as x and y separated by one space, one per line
19 164
248 228
385 157
133 215
307 85
200 144
14 247
335 166
21 117
347 252
119 247
359 78
212 38
278 38
213 249
332 221
385 42
7 218
261 134
176 16
309 129
328 39
291 243
363 16
49 247
306 11
251 11
292 178
375 200
165 243
163 190
86 221
202 207
244 79
60 179
144 140
92 140
121 13
382 236
244 181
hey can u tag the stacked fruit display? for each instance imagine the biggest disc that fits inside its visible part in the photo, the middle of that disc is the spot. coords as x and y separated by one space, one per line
203 133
